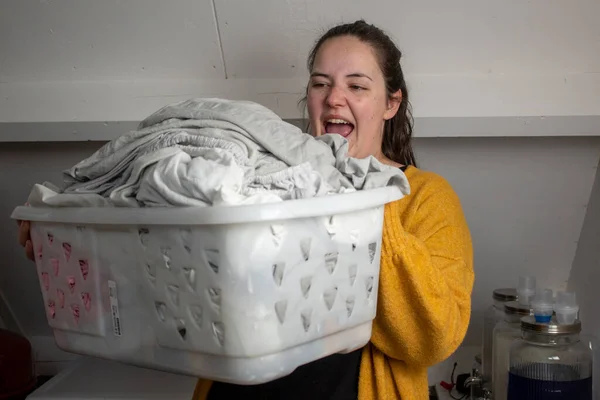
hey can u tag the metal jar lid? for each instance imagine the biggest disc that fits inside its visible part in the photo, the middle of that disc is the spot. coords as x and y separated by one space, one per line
505 294
552 328
515 308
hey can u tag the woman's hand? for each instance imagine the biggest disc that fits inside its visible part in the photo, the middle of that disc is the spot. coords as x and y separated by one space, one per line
25 239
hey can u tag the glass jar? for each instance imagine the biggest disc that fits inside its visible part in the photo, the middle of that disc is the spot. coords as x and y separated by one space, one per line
505 333
550 362
493 315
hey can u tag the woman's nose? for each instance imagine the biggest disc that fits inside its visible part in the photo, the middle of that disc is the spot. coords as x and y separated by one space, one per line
336 97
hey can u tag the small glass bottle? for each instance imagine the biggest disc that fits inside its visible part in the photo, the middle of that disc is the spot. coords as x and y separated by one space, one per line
493 315
551 362
505 333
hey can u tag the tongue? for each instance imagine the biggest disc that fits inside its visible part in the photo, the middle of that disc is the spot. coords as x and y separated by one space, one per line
340 129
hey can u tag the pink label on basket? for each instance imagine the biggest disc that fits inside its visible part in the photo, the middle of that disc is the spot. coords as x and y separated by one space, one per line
75 310
46 280
85 268
87 301
71 283
39 251
55 265
50 238
67 249
51 308
61 298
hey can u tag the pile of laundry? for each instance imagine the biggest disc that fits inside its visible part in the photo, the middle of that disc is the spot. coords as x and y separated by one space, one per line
208 151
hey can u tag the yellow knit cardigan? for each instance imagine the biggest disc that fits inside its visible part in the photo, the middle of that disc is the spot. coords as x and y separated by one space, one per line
424 300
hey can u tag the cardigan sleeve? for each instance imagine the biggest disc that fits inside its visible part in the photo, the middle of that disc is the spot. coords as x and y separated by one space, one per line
426 277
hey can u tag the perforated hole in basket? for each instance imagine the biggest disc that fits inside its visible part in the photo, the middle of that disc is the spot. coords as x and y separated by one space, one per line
305 285
173 294
329 296
214 296
46 280
278 270
212 258
280 309
350 305
369 286
84 267
306 316
305 248
372 251
277 231
165 251
51 309
151 271
331 260
181 329
143 234
71 284
354 236
67 251
330 226
352 271
75 311
190 276
186 238
86 299
218 329
196 314
161 309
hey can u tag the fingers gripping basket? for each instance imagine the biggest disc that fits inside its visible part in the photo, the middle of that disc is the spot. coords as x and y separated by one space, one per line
241 294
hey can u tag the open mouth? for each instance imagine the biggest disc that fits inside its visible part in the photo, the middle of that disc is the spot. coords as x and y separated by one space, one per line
339 127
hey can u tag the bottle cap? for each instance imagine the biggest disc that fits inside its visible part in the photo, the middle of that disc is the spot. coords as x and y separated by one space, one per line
505 294
543 305
566 308
526 289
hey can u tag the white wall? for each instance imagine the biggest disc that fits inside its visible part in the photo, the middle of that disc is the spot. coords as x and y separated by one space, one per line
475 68
118 60
585 275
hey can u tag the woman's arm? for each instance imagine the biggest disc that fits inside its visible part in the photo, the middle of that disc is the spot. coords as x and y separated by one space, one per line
426 279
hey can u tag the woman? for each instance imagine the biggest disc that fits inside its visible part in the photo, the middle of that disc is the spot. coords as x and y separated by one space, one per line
357 90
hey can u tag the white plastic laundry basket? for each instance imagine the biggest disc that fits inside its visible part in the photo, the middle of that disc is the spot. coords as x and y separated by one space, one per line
242 294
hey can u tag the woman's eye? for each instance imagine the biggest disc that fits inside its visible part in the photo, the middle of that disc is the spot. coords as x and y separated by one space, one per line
356 87
318 84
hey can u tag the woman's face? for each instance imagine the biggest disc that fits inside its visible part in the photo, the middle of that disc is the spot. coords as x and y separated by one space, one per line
347 95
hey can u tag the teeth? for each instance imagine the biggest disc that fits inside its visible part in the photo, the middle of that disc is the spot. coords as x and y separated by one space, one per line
337 121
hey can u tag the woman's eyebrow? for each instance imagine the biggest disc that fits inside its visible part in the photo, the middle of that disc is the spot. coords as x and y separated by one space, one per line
353 75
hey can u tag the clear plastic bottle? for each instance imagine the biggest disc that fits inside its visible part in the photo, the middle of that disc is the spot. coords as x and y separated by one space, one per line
551 362
493 315
543 305
526 289
523 293
566 308
505 333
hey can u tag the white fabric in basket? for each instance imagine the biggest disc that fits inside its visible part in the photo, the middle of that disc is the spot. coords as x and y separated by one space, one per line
214 151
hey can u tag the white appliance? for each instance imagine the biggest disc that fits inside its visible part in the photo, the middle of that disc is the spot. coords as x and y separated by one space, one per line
97 379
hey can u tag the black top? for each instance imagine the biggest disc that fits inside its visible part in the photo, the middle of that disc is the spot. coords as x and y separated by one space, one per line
331 378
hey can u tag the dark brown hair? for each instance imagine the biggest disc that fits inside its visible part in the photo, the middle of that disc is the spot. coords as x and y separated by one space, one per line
397 131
